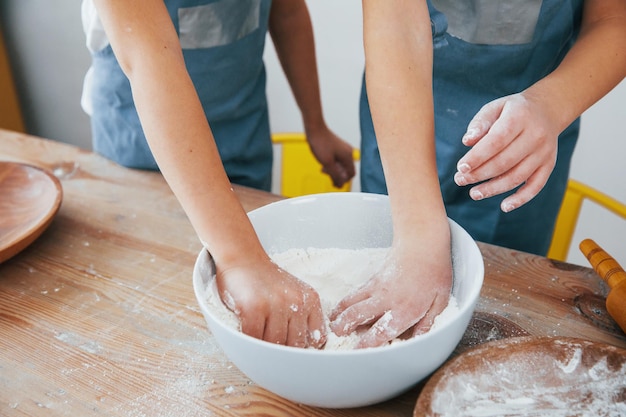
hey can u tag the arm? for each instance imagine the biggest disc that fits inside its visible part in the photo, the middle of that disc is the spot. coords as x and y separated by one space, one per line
292 34
147 47
414 286
514 139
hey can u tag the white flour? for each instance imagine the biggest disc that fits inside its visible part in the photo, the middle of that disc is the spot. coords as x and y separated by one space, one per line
333 273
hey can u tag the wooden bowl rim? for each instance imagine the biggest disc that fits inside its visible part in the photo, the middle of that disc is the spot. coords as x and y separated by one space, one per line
25 237
505 347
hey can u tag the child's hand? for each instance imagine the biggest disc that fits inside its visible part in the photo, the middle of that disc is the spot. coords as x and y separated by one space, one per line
334 154
410 290
514 142
273 305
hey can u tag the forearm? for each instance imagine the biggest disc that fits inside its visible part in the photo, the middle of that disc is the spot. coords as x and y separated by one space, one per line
595 64
175 126
398 57
183 145
292 34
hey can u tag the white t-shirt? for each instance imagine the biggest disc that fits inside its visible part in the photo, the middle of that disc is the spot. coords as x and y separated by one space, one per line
96 40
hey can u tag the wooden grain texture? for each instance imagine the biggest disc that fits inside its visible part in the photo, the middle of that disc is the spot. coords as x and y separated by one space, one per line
98 315
29 199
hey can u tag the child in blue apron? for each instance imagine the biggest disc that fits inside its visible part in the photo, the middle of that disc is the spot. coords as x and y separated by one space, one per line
483 52
222 43
507 78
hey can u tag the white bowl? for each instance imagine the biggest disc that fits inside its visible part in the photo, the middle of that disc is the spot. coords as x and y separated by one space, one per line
341 378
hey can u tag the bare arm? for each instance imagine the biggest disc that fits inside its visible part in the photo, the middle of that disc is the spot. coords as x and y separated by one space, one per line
292 34
147 47
414 286
398 69
594 66
515 138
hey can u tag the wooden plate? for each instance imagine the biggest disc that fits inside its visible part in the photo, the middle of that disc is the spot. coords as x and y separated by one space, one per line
529 376
29 199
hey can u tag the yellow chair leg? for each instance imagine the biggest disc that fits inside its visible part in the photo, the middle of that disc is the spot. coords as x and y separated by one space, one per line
565 225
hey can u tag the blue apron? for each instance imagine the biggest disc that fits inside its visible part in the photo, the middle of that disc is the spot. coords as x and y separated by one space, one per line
478 64
222 45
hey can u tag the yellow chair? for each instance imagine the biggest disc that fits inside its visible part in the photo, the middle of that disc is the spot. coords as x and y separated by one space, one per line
10 113
568 215
301 173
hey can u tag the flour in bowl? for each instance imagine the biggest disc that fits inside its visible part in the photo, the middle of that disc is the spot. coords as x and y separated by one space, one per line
333 273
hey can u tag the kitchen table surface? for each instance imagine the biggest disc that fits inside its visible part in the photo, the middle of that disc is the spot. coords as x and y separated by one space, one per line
98 315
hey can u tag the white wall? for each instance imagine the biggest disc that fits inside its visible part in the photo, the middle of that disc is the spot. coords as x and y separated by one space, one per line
338 39
46 41
337 28
599 161
46 45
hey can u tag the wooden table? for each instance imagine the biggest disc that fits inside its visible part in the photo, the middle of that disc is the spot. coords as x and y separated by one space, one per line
98 316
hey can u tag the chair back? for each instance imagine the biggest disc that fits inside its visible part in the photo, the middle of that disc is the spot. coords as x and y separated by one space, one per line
301 173
567 219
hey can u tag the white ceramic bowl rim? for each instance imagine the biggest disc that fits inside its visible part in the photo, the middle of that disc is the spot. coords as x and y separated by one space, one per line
338 378
200 288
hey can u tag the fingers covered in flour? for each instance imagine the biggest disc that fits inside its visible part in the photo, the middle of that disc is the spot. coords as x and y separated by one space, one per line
273 305
410 289
352 312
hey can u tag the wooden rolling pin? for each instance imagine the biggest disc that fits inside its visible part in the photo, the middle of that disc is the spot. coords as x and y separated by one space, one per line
613 274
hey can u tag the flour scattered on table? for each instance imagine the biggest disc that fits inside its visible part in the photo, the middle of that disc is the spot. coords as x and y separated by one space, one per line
333 273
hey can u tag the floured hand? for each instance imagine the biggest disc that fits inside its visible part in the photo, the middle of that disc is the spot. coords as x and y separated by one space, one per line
409 291
273 305
514 142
